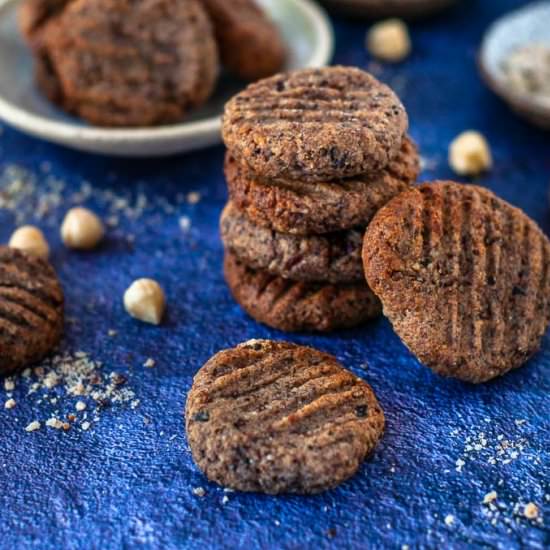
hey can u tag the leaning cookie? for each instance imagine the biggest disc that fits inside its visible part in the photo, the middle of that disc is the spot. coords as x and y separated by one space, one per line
31 309
331 258
315 125
299 307
304 208
143 63
463 276
251 45
274 417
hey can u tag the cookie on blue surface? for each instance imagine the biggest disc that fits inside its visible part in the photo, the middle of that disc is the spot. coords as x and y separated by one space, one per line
303 208
294 306
330 258
315 125
31 309
274 417
463 276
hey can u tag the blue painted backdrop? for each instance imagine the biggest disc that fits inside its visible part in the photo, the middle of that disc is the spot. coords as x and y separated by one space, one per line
129 480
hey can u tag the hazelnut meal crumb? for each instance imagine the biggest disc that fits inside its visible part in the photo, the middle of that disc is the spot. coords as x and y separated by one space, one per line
9 384
150 363
470 154
193 197
145 300
54 423
9 404
80 406
389 40
31 240
490 497
85 426
81 229
33 426
449 519
199 491
531 510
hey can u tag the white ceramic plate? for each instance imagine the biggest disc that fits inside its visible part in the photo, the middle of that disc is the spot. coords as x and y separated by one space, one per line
519 28
305 27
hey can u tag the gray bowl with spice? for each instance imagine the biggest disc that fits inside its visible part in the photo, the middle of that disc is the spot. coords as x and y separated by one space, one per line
514 61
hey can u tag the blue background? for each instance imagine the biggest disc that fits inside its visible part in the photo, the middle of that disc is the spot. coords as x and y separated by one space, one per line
126 483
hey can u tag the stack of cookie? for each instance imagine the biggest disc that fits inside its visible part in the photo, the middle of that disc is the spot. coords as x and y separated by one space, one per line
312 156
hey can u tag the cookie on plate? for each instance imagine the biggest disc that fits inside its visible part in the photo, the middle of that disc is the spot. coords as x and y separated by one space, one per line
139 63
331 258
315 125
296 306
251 45
31 309
304 208
274 417
33 15
463 277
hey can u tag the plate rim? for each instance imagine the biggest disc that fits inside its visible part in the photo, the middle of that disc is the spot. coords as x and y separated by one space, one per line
206 131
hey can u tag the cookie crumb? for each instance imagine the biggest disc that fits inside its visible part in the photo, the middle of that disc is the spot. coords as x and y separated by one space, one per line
490 497
449 519
193 197
9 404
9 384
185 223
150 363
33 426
80 406
54 423
225 499
199 491
531 510
85 426
112 333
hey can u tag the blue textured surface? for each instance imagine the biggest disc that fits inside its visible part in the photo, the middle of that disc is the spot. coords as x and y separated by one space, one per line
128 483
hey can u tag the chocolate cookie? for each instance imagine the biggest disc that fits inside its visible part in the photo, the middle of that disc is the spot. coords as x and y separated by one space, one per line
275 417
132 63
33 15
315 125
31 309
299 307
303 208
331 258
251 45
463 277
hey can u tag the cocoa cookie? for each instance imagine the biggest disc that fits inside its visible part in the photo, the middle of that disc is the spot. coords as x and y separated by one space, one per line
463 277
33 15
275 417
31 309
303 208
331 258
251 45
296 306
132 63
315 124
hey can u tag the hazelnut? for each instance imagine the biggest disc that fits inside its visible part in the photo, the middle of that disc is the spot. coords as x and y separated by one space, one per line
31 240
145 300
470 154
389 40
81 229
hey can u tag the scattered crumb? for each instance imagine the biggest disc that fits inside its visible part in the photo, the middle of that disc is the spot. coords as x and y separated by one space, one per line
9 404
520 422
33 426
449 519
531 510
193 197
112 333
459 464
185 223
80 406
225 499
490 497
9 384
85 426
150 363
199 491
54 423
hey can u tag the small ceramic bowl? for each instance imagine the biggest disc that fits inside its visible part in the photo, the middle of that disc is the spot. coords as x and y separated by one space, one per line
408 9
528 25
304 25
